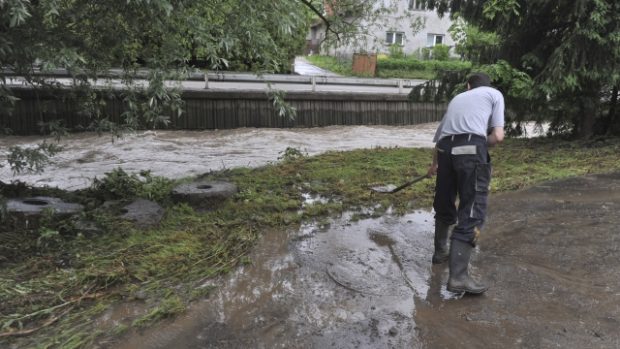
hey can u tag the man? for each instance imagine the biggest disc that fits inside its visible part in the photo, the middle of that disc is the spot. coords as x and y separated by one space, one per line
474 120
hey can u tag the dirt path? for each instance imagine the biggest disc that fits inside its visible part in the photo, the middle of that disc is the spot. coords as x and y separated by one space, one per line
551 254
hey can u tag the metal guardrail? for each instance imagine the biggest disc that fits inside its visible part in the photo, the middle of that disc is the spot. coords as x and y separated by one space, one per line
244 77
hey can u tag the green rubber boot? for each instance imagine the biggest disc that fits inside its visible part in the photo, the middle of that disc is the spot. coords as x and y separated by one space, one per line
441 254
460 281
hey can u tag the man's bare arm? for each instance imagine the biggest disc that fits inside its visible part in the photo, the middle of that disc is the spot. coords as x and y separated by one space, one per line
496 136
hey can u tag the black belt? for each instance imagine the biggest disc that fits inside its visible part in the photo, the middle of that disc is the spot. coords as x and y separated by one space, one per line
462 136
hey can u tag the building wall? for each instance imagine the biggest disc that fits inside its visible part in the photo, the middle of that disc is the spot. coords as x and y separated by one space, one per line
400 20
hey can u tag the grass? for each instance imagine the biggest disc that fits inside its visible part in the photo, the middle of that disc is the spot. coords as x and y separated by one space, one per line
168 307
388 67
333 64
56 281
405 74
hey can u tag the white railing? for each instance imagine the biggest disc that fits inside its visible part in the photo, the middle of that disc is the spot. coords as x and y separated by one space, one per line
245 77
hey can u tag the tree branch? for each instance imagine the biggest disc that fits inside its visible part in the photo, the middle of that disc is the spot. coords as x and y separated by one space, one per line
322 17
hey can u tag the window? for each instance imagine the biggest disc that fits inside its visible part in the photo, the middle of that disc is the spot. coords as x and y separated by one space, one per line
416 5
434 39
395 38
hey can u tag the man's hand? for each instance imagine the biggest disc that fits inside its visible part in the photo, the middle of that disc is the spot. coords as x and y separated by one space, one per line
432 170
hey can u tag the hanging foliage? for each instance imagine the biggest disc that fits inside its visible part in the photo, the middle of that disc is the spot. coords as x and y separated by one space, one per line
570 50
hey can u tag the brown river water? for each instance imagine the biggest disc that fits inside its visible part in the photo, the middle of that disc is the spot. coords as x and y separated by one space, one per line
176 154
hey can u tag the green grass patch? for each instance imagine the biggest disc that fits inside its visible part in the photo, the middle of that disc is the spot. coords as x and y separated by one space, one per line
333 64
388 67
56 274
406 74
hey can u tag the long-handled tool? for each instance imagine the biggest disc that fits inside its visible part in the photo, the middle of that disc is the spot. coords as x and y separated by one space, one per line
390 189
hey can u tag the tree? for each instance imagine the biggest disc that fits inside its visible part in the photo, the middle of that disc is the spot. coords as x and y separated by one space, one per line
571 50
354 23
163 36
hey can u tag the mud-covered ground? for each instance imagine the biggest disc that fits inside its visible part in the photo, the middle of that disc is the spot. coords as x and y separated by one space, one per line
551 254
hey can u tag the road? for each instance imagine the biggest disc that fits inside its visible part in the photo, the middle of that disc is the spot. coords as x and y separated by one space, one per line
303 67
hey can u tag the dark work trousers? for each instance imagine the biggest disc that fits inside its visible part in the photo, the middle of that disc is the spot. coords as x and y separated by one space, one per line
464 170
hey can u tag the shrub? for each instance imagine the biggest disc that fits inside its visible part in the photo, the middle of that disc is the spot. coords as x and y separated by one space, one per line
441 52
118 184
414 64
425 53
401 64
396 52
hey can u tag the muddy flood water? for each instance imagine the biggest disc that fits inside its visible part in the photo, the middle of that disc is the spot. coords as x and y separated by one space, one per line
176 154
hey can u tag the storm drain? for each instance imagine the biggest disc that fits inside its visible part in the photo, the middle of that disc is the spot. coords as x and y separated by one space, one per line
27 212
204 194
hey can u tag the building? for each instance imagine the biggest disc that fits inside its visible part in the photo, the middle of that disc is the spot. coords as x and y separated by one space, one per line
402 23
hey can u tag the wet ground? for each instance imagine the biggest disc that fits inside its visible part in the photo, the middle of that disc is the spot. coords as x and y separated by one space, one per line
351 284
551 254
303 67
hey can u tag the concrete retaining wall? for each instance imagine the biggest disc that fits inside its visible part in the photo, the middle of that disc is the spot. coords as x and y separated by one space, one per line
208 109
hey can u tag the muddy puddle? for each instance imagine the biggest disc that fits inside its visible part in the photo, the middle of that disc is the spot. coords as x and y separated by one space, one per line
550 254
350 284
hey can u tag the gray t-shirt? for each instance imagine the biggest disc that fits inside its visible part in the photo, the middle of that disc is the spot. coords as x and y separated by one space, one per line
473 112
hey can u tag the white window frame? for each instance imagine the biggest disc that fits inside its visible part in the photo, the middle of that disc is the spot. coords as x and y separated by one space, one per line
391 38
415 5
431 39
